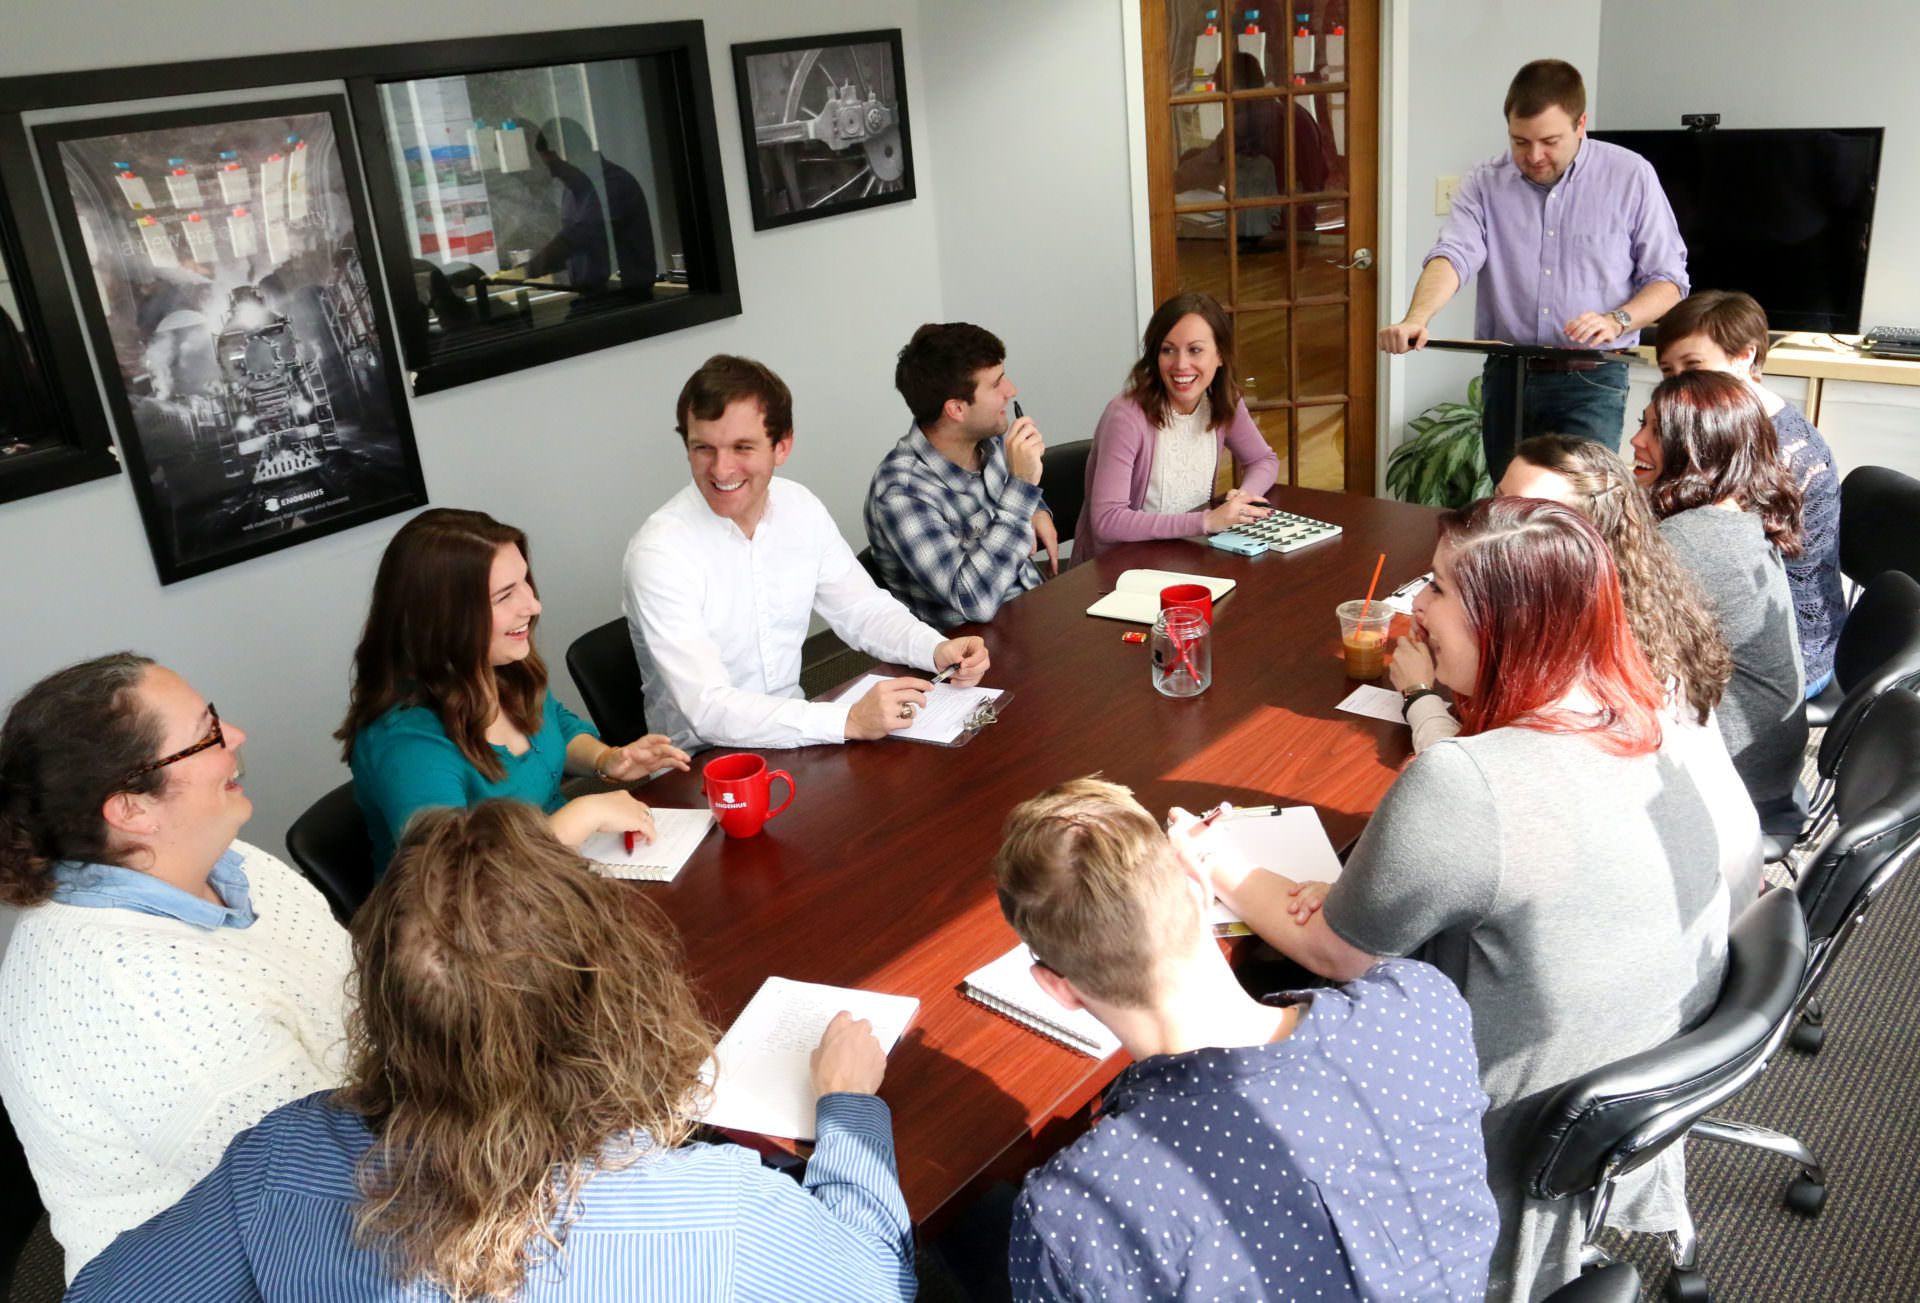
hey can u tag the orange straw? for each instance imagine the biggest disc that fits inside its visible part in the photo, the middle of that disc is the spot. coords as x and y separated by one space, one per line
1375 584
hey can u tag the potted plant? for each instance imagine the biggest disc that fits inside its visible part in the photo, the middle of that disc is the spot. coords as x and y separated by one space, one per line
1442 463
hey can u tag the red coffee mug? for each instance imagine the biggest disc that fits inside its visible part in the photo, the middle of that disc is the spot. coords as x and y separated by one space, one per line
738 786
1198 596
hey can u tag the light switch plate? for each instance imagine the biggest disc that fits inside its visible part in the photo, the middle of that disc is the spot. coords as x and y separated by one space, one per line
1443 188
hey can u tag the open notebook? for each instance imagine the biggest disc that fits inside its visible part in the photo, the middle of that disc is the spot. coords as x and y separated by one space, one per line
1136 593
1007 987
675 834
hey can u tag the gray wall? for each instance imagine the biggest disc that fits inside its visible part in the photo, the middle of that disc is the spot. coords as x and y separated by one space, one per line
1020 149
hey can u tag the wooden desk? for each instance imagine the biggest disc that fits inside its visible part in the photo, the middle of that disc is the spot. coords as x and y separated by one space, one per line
877 876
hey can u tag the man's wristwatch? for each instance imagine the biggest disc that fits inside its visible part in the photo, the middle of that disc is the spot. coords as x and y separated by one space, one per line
1410 695
1624 317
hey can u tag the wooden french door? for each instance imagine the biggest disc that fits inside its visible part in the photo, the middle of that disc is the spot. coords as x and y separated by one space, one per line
1262 162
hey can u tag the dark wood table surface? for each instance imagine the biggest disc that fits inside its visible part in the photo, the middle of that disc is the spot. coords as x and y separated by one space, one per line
877 876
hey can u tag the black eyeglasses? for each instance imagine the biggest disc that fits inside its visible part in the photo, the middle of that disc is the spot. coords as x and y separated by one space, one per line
214 738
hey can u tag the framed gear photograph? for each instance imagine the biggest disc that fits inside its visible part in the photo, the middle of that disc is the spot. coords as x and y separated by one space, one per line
223 262
824 122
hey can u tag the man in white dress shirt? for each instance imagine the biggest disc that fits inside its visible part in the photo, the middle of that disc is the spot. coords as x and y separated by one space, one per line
722 581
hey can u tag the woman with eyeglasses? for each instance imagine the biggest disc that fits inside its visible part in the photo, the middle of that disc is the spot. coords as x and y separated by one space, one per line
450 705
166 985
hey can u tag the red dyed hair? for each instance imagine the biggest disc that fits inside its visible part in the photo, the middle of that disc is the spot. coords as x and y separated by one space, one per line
1539 589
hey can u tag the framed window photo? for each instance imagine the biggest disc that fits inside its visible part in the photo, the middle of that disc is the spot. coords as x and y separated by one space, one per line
541 196
824 122
52 430
222 260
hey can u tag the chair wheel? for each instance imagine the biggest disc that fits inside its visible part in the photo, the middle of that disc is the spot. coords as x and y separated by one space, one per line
1808 1037
1686 1286
1806 1196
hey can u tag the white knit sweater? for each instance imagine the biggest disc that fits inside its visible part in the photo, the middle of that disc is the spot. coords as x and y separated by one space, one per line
134 1047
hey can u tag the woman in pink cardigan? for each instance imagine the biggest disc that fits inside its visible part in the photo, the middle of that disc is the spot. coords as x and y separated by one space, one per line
1150 473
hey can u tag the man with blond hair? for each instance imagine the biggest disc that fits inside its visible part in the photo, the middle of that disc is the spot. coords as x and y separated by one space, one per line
1324 1145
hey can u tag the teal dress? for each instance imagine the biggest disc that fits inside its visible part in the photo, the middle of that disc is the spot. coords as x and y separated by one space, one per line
404 762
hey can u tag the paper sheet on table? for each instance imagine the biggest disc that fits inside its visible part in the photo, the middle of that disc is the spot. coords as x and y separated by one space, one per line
944 717
1375 703
675 834
1291 841
764 1071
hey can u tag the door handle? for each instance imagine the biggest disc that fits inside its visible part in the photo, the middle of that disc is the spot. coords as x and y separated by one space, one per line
1362 261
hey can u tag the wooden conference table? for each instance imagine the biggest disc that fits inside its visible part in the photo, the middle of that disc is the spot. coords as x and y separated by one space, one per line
877 875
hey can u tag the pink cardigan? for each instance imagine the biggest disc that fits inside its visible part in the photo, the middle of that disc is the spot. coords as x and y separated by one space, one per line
1121 462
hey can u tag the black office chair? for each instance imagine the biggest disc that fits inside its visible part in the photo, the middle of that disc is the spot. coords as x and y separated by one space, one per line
1063 482
1612 1121
1617 1282
1879 649
1876 834
330 846
1882 632
1878 508
603 668
20 1206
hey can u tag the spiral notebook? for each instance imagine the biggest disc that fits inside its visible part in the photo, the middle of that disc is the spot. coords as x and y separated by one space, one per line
1006 986
675 834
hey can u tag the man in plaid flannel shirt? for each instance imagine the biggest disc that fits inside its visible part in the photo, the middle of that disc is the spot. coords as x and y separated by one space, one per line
954 512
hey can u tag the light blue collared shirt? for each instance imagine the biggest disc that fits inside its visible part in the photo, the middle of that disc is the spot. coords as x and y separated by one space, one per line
108 886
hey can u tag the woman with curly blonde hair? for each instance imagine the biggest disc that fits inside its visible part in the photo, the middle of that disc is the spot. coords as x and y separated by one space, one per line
525 1077
1669 616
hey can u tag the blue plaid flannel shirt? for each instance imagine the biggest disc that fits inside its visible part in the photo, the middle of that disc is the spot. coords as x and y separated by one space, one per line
953 545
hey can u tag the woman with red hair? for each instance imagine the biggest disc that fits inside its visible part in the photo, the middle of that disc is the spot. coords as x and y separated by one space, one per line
1563 859
1706 455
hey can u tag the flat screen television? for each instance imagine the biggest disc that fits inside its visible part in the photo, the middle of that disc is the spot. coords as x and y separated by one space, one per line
1784 214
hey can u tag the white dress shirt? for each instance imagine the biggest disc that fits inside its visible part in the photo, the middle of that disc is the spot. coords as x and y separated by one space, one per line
718 618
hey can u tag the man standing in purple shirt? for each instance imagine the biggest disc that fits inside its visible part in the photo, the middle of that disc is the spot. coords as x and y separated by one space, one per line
1576 248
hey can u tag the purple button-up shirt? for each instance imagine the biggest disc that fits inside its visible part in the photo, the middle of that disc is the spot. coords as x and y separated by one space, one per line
1599 236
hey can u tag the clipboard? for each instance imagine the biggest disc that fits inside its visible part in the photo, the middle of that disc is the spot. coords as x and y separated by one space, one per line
980 712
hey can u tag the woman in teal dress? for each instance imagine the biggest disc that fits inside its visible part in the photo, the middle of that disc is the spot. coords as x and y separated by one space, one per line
450 703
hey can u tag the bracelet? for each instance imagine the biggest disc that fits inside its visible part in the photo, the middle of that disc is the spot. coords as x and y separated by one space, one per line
1412 695
600 765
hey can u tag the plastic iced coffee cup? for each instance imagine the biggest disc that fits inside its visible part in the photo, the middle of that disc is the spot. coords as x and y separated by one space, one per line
1364 638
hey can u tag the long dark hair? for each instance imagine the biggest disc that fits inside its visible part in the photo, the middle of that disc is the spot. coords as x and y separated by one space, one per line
1670 617
71 741
1539 589
427 633
1717 442
1144 385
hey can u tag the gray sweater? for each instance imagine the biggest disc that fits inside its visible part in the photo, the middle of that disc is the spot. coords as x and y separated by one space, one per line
1763 717
1580 901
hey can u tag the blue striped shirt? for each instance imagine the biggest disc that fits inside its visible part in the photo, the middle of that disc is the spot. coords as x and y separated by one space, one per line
274 1221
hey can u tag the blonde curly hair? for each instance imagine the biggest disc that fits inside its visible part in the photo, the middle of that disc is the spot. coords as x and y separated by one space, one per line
520 1025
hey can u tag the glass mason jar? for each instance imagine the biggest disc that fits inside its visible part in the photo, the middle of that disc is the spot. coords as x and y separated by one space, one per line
1182 645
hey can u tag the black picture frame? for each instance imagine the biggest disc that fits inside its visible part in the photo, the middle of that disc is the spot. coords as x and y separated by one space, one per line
706 231
252 450
59 433
857 149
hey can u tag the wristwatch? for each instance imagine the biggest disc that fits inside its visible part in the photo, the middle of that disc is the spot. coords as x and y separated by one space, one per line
1624 317
1410 695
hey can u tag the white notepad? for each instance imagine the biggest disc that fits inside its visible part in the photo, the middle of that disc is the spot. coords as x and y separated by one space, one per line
1290 841
763 1071
1136 594
943 719
675 834
1006 986
1375 703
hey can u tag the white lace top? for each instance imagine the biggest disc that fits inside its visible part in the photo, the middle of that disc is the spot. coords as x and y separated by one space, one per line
1186 455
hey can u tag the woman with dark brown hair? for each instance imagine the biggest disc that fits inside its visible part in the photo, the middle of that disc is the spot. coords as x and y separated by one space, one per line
1705 455
166 983
450 703
526 1059
1156 450
1676 632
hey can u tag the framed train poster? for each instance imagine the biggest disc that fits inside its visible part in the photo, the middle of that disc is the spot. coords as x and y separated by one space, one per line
221 257
824 122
